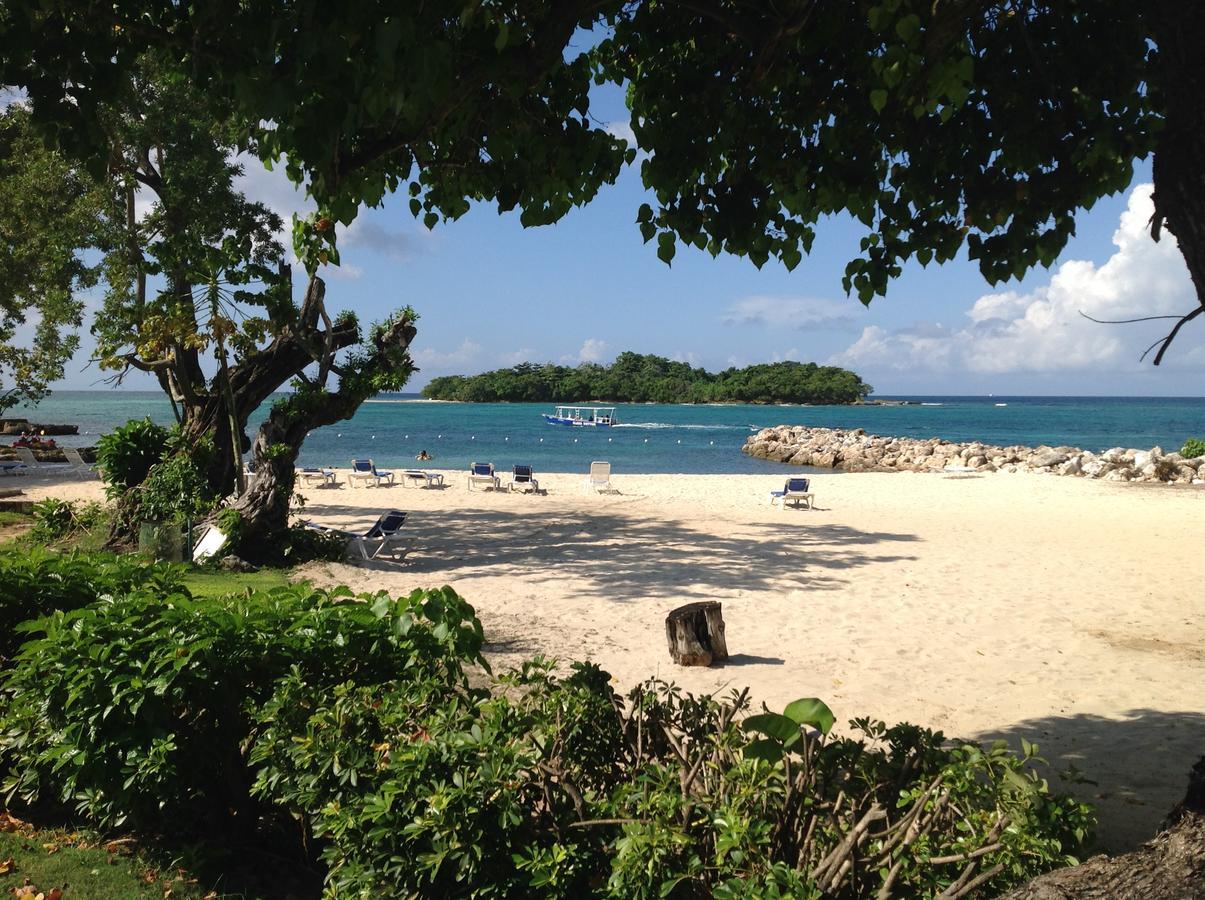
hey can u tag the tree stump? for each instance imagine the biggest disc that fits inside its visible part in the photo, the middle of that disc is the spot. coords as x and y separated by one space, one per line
695 633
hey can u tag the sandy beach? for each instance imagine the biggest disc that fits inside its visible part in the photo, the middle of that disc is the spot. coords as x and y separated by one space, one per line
1067 611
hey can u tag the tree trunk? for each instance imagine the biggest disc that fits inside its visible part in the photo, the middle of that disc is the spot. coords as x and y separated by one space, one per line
264 507
695 633
1170 867
1179 32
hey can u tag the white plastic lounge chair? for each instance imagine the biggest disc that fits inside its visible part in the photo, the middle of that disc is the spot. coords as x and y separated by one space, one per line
599 478
483 473
794 491
77 463
422 478
31 462
523 479
366 470
385 534
319 477
210 543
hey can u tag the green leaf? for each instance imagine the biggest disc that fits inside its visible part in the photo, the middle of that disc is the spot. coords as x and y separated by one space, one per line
878 99
770 751
772 725
500 40
666 247
811 711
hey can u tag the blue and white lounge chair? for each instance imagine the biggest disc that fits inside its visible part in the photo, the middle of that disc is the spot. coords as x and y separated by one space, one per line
482 473
794 491
523 479
366 470
422 478
13 468
385 533
321 477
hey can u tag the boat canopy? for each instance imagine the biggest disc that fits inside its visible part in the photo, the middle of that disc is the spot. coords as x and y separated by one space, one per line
601 415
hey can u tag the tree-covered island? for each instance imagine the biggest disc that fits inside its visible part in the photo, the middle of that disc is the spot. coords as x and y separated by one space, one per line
645 378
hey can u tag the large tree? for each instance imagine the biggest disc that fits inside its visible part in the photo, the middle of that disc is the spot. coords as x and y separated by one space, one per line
196 293
938 125
46 213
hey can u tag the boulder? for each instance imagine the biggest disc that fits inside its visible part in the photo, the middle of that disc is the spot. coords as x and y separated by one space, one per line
1047 456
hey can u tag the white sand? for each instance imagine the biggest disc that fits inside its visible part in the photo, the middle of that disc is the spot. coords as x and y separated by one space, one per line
1067 611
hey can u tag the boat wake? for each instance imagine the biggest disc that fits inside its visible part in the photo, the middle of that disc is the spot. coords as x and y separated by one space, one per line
658 425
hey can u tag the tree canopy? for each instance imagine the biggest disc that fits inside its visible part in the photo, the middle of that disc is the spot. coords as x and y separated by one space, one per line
940 126
644 378
47 212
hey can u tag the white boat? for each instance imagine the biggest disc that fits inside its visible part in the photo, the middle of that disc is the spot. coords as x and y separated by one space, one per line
592 416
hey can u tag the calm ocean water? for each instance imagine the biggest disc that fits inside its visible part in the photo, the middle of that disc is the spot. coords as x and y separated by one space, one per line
654 438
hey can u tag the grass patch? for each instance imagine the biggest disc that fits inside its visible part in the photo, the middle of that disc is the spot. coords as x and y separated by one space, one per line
203 583
82 869
8 517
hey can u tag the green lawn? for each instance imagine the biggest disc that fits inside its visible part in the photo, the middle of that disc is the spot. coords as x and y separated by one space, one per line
52 859
213 584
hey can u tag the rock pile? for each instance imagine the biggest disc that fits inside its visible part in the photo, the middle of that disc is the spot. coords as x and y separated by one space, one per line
857 451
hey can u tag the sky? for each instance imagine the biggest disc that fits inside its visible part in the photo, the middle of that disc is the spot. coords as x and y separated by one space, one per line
491 293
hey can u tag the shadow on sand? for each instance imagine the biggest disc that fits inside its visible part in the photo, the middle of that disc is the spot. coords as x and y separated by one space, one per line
619 557
1140 764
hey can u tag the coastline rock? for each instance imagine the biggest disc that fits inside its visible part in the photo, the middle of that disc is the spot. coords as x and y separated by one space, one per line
857 451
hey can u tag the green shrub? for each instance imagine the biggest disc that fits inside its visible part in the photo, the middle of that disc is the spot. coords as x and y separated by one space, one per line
55 519
174 490
549 789
36 582
126 454
1193 447
434 790
139 711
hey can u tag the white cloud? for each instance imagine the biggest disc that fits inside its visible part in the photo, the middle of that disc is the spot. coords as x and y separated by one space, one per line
369 235
593 350
1043 330
9 96
791 312
522 355
430 358
623 131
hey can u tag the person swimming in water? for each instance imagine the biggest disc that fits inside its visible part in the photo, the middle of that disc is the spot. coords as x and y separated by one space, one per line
423 456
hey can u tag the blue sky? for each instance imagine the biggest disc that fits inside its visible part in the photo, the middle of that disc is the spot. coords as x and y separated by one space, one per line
491 293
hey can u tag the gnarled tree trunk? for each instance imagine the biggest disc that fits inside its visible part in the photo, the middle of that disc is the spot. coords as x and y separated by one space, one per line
264 507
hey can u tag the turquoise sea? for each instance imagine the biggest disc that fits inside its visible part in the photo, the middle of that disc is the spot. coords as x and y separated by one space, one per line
656 438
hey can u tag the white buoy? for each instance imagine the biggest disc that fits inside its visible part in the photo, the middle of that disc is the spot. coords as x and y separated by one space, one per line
679 440
712 443
575 440
541 440
441 437
646 440
374 437
608 440
340 434
407 437
473 438
506 439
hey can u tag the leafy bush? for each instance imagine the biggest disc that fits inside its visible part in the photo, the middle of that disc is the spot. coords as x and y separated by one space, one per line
439 792
1193 447
36 582
54 519
174 490
139 711
126 454
551 789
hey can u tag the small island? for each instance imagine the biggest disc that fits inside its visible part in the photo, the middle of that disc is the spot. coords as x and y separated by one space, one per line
645 378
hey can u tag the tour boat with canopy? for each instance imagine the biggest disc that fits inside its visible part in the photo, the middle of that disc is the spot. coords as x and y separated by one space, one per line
596 416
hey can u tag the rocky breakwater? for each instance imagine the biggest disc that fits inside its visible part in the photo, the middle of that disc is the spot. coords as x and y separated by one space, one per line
857 451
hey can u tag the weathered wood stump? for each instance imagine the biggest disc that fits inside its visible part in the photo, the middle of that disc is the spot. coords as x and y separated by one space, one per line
695 633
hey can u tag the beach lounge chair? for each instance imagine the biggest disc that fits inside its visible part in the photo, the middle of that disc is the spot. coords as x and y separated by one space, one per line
32 464
483 473
794 491
319 477
599 478
385 534
422 478
13 468
522 479
366 470
77 463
